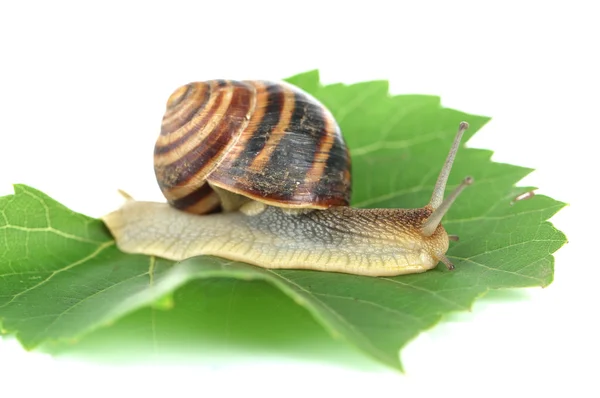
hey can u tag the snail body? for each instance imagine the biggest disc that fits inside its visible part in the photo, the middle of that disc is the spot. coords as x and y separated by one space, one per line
259 172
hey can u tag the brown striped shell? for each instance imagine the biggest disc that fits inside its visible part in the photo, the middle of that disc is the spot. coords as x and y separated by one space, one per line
267 141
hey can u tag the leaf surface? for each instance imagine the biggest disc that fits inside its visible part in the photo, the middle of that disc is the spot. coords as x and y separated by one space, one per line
61 275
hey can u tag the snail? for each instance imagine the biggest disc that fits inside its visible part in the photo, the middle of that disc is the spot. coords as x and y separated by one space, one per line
259 172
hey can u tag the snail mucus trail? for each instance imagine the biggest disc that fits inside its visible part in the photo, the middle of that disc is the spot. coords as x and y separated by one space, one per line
259 229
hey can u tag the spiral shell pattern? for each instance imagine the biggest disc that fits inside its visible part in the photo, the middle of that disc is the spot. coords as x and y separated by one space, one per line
271 142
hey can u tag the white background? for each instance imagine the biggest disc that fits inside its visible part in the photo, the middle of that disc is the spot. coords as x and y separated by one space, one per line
82 91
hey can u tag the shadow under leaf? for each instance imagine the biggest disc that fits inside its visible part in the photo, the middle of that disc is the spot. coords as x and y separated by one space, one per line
215 321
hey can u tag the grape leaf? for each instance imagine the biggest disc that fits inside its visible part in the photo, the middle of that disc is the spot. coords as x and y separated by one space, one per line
61 275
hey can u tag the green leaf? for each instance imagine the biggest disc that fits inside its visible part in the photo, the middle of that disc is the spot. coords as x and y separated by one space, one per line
61 275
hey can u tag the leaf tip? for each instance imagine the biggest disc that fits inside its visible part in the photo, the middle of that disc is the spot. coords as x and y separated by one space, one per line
309 80
23 188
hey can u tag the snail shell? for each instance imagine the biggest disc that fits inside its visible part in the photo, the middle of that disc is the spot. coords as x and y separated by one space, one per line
266 141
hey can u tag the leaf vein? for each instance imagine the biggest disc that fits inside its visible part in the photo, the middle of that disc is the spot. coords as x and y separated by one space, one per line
56 272
374 304
54 231
431 292
537 280
85 299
